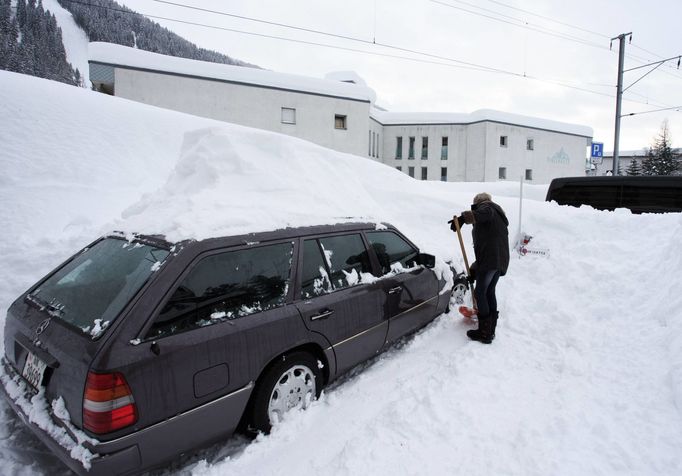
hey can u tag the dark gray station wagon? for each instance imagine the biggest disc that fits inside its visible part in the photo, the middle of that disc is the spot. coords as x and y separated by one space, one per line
155 349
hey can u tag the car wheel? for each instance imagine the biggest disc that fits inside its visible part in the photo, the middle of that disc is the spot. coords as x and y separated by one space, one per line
459 289
458 292
294 381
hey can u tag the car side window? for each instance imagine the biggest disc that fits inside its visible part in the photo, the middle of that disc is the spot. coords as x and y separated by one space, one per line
227 286
391 249
346 258
315 278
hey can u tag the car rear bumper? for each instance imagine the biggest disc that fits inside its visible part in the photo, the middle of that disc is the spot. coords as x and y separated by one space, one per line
145 448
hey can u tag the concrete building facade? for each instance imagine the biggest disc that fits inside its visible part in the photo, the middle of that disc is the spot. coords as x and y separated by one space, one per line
340 113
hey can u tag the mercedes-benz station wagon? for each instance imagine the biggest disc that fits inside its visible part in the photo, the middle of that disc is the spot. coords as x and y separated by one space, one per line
135 350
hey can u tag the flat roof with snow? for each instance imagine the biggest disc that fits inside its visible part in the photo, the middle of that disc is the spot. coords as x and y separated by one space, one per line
131 58
388 118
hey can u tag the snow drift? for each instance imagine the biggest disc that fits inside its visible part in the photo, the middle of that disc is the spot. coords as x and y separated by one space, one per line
584 377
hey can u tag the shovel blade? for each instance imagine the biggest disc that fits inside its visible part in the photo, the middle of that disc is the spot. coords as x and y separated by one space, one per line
467 311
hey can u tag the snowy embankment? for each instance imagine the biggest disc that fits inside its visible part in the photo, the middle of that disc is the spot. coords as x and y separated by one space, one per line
585 376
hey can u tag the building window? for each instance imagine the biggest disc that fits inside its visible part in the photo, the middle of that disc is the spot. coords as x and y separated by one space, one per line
369 144
339 121
398 148
444 149
443 174
374 144
378 145
288 115
425 148
529 174
410 152
530 144
502 173
399 168
410 171
503 141
424 173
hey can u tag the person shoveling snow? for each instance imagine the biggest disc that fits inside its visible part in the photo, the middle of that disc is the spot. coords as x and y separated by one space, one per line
491 249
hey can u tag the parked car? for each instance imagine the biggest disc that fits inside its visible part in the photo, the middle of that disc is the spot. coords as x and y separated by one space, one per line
641 194
155 348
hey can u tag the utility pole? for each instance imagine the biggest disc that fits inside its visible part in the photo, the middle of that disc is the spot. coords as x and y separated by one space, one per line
619 97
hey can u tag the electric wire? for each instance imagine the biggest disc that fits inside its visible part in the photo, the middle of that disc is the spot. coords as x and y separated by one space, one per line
459 63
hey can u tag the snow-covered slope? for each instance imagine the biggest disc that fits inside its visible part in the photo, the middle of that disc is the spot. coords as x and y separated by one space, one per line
584 377
74 38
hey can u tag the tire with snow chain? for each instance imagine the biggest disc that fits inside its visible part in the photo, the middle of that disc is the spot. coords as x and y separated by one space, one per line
292 382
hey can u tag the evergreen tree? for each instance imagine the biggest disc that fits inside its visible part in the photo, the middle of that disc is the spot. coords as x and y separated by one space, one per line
661 159
634 168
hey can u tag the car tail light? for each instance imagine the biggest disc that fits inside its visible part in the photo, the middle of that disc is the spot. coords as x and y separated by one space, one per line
108 403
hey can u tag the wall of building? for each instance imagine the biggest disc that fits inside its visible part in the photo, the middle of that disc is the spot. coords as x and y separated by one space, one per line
453 161
476 155
251 106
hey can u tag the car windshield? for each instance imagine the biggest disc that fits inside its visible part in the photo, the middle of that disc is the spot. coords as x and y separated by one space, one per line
91 290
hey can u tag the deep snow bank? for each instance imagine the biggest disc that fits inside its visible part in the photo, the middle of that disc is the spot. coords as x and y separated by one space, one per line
583 378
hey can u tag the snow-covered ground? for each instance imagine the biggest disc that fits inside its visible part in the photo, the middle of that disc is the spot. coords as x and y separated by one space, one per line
584 377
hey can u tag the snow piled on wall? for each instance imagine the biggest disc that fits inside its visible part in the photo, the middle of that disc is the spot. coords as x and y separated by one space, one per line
584 377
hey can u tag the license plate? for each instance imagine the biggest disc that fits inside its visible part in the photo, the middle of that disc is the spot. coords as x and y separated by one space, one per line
34 368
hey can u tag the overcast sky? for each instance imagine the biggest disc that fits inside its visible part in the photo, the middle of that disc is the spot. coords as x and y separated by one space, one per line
555 41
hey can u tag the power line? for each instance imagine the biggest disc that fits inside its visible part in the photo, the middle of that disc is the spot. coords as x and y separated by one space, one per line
521 24
550 19
460 64
628 55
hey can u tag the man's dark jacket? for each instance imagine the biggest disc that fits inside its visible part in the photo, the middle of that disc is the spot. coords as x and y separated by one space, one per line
491 238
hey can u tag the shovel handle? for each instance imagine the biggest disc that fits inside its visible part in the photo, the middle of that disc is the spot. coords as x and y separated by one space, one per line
464 254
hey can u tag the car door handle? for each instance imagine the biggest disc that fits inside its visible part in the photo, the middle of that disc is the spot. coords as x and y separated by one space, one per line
323 315
394 290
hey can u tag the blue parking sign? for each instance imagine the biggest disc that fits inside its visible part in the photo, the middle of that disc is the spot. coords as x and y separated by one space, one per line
597 149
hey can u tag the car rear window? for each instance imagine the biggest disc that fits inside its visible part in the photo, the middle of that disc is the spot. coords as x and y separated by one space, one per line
90 291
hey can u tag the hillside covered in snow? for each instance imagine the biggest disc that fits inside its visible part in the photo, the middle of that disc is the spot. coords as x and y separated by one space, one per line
49 38
584 377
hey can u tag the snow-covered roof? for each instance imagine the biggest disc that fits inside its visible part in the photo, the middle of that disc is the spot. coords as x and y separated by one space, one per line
124 56
388 118
635 153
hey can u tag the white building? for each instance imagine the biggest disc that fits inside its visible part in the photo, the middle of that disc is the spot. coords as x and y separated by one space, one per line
339 112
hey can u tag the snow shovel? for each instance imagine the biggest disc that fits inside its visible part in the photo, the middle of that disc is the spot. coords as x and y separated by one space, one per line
467 312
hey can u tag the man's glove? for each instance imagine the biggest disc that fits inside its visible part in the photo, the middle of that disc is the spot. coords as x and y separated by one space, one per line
453 226
467 217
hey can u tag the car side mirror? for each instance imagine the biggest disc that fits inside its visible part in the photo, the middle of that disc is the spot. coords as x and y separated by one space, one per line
426 260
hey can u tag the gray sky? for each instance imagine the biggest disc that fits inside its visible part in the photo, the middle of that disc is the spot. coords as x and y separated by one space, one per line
538 50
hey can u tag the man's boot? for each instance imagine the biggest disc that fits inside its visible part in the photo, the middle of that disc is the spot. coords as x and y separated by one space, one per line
484 332
493 326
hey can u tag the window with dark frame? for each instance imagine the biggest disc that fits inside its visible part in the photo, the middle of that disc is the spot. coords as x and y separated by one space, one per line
398 148
424 173
399 168
530 144
503 141
443 174
502 173
444 148
410 171
529 174
339 121
410 152
425 148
